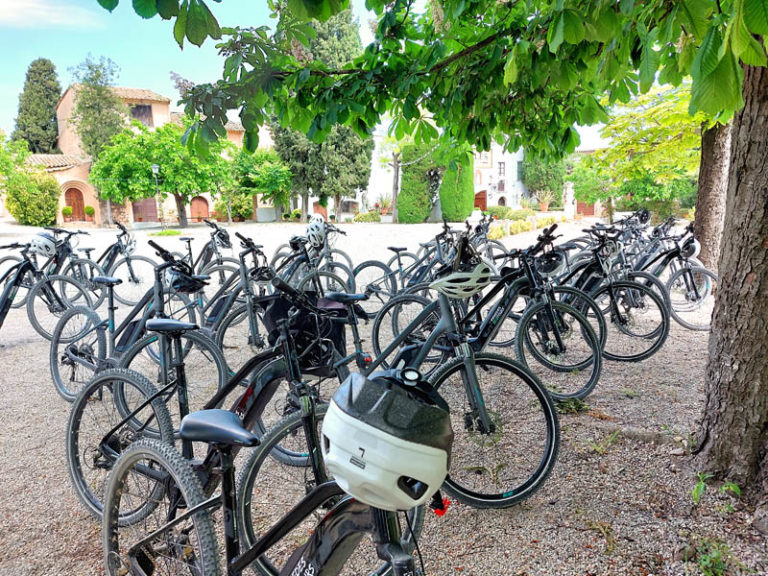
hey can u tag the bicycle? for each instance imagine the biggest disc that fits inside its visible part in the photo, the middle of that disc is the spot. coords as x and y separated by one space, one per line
83 344
51 295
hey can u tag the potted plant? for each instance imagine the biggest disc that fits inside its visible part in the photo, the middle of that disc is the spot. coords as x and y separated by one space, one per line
544 198
67 213
89 212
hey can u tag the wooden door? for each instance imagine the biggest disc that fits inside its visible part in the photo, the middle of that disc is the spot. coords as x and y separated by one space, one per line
145 210
198 208
585 209
481 200
74 198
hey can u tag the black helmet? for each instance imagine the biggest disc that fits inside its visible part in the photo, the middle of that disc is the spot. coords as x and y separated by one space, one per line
221 237
182 281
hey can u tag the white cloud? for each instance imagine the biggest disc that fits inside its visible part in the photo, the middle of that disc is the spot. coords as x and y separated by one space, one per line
46 14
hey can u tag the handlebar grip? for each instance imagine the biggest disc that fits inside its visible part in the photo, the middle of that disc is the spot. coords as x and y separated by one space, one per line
283 286
162 252
243 238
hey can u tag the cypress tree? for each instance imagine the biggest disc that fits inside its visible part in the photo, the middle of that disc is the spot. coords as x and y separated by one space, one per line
36 122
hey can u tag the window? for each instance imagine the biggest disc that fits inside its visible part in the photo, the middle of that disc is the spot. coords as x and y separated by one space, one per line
143 113
502 169
519 169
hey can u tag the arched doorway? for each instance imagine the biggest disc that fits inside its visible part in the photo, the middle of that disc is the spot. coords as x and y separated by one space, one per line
74 198
198 208
502 201
481 200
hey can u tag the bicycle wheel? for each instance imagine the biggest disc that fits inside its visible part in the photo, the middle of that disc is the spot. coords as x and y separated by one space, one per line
637 320
267 488
692 293
407 260
50 298
322 282
585 304
221 275
152 475
378 282
395 320
337 255
90 456
498 465
137 274
557 343
77 351
342 271
234 337
204 367
84 271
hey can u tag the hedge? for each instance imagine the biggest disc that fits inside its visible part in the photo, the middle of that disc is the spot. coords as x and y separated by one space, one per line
457 191
32 199
414 201
371 216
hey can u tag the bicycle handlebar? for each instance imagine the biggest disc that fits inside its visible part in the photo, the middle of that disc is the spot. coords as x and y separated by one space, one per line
162 252
283 286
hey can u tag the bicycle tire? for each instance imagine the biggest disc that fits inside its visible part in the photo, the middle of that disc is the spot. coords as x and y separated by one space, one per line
618 331
137 274
377 281
193 541
85 431
234 339
322 282
283 494
703 305
38 302
204 379
389 318
75 336
560 371
345 258
84 270
510 396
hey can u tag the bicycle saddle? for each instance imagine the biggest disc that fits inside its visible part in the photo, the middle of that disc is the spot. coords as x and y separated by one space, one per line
216 427
396 249
186 238
169 326
106 280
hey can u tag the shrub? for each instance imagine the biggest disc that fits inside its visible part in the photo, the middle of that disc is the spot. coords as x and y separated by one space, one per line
296 214
527 226
545 221
457 191
515 227
33 199
496 232
371 216
242 207
499 212
67 211
89 210
286 215
522 214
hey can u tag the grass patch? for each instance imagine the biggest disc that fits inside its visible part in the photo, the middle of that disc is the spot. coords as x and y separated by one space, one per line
571 406
167 232
602 446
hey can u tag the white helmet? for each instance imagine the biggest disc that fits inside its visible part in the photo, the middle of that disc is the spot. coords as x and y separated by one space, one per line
317 218
43 244
387 443
690 248
463 284
316 233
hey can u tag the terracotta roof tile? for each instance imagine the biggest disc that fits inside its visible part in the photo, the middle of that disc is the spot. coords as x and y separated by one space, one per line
139 94
56 161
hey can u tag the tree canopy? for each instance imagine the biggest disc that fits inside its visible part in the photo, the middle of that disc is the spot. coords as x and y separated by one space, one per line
518 72
37 123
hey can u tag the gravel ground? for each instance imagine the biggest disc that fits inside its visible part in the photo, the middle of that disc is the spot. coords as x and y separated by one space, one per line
618 502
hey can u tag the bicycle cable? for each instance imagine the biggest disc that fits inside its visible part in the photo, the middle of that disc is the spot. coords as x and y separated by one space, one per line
416 544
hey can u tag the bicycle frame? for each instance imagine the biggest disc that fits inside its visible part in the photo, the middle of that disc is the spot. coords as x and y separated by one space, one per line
10 289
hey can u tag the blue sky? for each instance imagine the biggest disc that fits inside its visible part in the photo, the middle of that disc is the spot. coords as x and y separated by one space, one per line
66 31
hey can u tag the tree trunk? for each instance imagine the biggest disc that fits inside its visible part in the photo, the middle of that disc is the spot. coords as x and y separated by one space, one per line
395 184
733 438
181 209
337 206
713 186
304 206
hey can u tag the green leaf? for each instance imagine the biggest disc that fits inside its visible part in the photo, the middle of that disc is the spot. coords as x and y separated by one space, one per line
720 90
145 8
607 26
109 4
510 68
410 110
756 16
555 34
708 55
573 27
743 43
168 8
180 27
648 65
251 140
200 23
693 16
